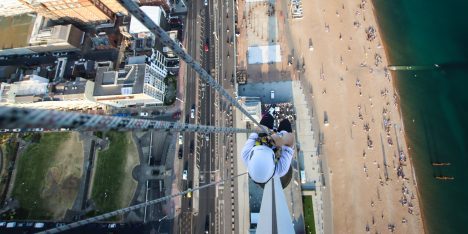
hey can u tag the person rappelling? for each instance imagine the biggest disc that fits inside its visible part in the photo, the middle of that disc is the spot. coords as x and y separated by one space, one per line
267 156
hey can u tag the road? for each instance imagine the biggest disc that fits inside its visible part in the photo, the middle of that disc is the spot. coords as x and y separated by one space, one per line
194 46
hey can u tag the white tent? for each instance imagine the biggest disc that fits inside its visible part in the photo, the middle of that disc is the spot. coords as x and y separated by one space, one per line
264 54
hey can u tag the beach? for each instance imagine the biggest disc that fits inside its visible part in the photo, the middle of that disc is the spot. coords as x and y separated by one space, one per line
373 186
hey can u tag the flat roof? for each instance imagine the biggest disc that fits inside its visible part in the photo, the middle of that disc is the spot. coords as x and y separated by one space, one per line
133 78
15 31
153 12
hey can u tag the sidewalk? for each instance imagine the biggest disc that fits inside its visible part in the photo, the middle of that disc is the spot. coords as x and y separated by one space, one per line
241 183
311 162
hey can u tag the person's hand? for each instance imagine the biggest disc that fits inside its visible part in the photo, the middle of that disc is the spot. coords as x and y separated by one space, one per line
257 129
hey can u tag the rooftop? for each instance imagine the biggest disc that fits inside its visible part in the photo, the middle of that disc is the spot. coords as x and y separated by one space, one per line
153 12
15 30
126 81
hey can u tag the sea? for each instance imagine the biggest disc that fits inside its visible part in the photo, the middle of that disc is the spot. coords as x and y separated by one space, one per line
432 34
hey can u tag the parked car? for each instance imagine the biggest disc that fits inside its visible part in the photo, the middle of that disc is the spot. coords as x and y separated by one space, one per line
181 139
144 114
38 225
181 153
192 112
184 175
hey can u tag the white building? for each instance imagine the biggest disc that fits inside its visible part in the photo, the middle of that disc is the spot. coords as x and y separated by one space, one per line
25 90
143 38
153 12
135 85
157 61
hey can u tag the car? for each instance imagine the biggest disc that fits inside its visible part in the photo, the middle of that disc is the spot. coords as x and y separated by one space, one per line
181 139
176 115
272 94
184 175
207 137
192 112
180 153
11 225
205 47
35 56
175 21
191 147
189 194
206 2
144 114
112 225
38 225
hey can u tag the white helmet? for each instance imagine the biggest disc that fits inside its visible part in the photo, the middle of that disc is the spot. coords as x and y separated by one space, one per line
261 164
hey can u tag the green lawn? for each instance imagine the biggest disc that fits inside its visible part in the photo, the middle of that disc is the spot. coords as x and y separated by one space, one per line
308 214
109 173
32 168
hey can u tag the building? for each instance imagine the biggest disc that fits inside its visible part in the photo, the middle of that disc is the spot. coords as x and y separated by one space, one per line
13 7
253 106
157 61
83 12
25 34
25 90
135 85
143 39
165 4
174 36
37 92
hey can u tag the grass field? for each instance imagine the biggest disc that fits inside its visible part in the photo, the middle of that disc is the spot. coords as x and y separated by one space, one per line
110 173
32 169
308 214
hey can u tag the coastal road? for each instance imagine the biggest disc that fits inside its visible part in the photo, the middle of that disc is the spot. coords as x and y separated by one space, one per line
194 43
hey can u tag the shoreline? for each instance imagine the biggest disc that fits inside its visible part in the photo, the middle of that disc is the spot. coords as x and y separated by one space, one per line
394 76
365 190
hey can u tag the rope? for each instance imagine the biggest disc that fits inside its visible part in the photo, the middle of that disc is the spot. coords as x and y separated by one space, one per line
29 119
131 208
134 9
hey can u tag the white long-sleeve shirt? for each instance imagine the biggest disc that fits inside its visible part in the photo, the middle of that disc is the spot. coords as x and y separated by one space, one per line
283 163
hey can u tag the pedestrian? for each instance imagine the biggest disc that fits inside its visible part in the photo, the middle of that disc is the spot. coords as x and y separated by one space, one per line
269 155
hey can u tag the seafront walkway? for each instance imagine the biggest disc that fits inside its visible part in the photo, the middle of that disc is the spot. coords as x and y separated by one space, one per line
312 162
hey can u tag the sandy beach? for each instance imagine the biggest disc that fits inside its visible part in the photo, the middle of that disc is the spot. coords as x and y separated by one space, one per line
337 49
372 182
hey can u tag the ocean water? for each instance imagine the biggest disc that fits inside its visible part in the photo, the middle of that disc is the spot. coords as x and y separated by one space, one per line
434 101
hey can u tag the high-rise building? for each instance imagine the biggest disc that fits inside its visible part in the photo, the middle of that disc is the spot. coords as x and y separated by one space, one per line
135 85
82 12
13 7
